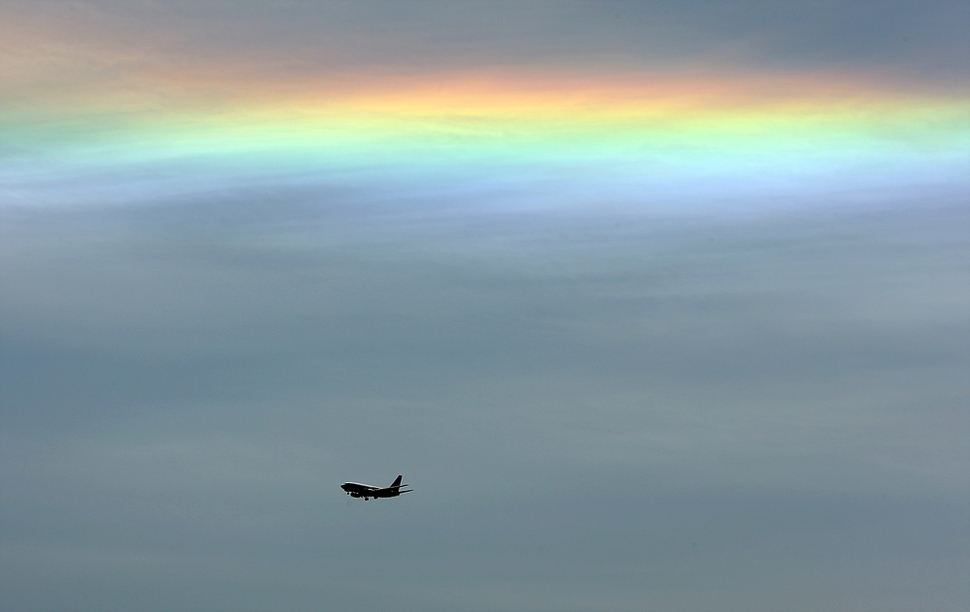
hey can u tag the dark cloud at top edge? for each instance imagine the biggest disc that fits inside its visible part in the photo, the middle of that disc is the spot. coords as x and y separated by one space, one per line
911 39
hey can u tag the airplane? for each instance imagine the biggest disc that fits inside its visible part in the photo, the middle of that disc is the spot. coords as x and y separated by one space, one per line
355 489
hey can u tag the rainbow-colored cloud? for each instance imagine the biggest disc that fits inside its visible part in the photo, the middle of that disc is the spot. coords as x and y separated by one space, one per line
620 139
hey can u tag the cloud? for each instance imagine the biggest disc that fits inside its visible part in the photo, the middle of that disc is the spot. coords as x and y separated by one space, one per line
577 401
299 39
599 406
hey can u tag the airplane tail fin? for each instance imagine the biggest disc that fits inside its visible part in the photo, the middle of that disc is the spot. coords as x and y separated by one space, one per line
397 481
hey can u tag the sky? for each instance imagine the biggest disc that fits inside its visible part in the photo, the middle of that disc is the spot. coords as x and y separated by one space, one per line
655 305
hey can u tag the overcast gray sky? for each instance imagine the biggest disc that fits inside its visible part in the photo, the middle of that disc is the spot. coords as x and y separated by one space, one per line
742 407
905 39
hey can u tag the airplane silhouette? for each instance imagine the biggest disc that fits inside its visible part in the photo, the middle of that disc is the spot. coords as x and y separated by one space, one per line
355 489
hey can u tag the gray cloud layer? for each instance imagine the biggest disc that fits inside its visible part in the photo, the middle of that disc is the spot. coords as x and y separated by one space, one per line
598 410
902 37
596 413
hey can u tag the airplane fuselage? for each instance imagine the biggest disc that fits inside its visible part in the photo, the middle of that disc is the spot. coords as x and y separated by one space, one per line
357 489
